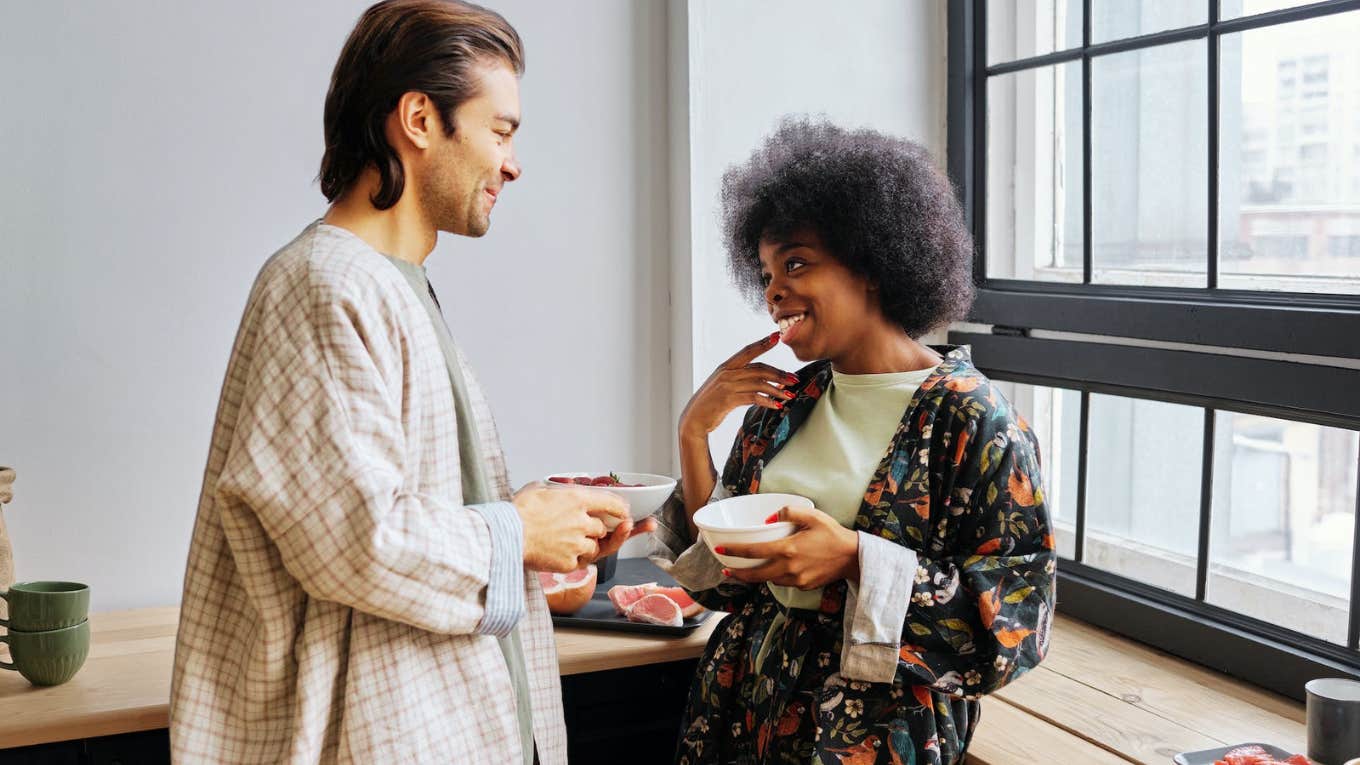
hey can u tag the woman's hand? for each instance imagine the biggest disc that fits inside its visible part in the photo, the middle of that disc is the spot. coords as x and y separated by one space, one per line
621 533
821 551
736 382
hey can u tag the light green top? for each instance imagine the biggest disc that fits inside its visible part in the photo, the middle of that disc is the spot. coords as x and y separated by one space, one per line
833 456
475 484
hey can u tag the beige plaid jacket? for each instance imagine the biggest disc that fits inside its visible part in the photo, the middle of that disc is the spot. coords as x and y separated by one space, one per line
335 583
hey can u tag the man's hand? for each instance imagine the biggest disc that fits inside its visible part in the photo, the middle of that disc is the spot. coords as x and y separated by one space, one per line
564 528
819 552
622 533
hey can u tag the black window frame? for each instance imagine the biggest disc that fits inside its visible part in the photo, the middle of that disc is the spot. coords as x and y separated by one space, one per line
1240 321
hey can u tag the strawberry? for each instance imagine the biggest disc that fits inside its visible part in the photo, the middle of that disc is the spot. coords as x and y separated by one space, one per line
612 480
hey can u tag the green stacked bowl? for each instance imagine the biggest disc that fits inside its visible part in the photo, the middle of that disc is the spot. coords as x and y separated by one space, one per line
48 630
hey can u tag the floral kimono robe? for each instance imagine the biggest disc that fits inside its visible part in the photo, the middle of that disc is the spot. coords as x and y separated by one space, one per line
959 485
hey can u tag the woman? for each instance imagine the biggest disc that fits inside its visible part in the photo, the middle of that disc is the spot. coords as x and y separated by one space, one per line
924 577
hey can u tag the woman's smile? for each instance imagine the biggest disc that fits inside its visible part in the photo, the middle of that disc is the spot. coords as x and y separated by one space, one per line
791 325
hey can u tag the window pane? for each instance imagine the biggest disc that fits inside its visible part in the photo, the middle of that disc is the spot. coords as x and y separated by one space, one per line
1231 9
1116 19
1149 140
1289 182
1034 174
1143 490
1282 523
1055 416
1019 29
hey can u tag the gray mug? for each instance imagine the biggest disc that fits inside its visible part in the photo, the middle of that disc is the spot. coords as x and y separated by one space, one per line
1333 714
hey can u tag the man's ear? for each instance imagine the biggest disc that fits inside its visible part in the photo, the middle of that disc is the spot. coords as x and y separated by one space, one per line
414 120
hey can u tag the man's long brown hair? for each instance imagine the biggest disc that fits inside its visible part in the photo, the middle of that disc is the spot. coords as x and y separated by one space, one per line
398 47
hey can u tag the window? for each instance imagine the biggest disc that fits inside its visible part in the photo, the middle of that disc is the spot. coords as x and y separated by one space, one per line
1055 415
1283 520
1344 246
1142 490
1166 205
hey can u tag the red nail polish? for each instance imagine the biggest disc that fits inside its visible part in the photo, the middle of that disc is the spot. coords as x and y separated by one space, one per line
774 518
779 405
792 379
773 337
726 572
720 550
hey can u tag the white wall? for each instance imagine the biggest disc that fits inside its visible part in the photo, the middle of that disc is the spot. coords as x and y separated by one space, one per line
562 307
871 63
153 155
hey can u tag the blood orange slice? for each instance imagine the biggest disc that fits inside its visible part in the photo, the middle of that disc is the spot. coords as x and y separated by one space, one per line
568 593
656 609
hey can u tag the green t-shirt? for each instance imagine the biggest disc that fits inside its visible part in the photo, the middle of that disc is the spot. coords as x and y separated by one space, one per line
833 456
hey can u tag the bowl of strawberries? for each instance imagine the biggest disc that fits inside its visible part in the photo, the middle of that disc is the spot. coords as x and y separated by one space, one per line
645 493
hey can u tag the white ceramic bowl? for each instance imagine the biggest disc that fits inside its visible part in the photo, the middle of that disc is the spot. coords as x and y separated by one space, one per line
642 500
741 520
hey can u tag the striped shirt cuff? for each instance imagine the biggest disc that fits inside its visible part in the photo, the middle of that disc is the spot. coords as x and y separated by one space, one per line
505 585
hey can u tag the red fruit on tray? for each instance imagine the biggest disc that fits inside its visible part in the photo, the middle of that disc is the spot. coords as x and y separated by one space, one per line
559 479
656 609
1255 755
568 593
687 605
625 595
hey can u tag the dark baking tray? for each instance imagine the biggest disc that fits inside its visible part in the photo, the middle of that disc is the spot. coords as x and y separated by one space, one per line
599 613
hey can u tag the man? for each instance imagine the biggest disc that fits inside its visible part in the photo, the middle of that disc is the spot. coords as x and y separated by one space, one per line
356 589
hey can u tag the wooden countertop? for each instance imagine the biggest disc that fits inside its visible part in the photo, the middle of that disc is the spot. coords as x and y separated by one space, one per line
1101 698
1097 698
580 651
125 683
123 687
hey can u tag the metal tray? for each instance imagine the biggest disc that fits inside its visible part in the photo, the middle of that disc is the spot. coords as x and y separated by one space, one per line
1209 756
599 613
